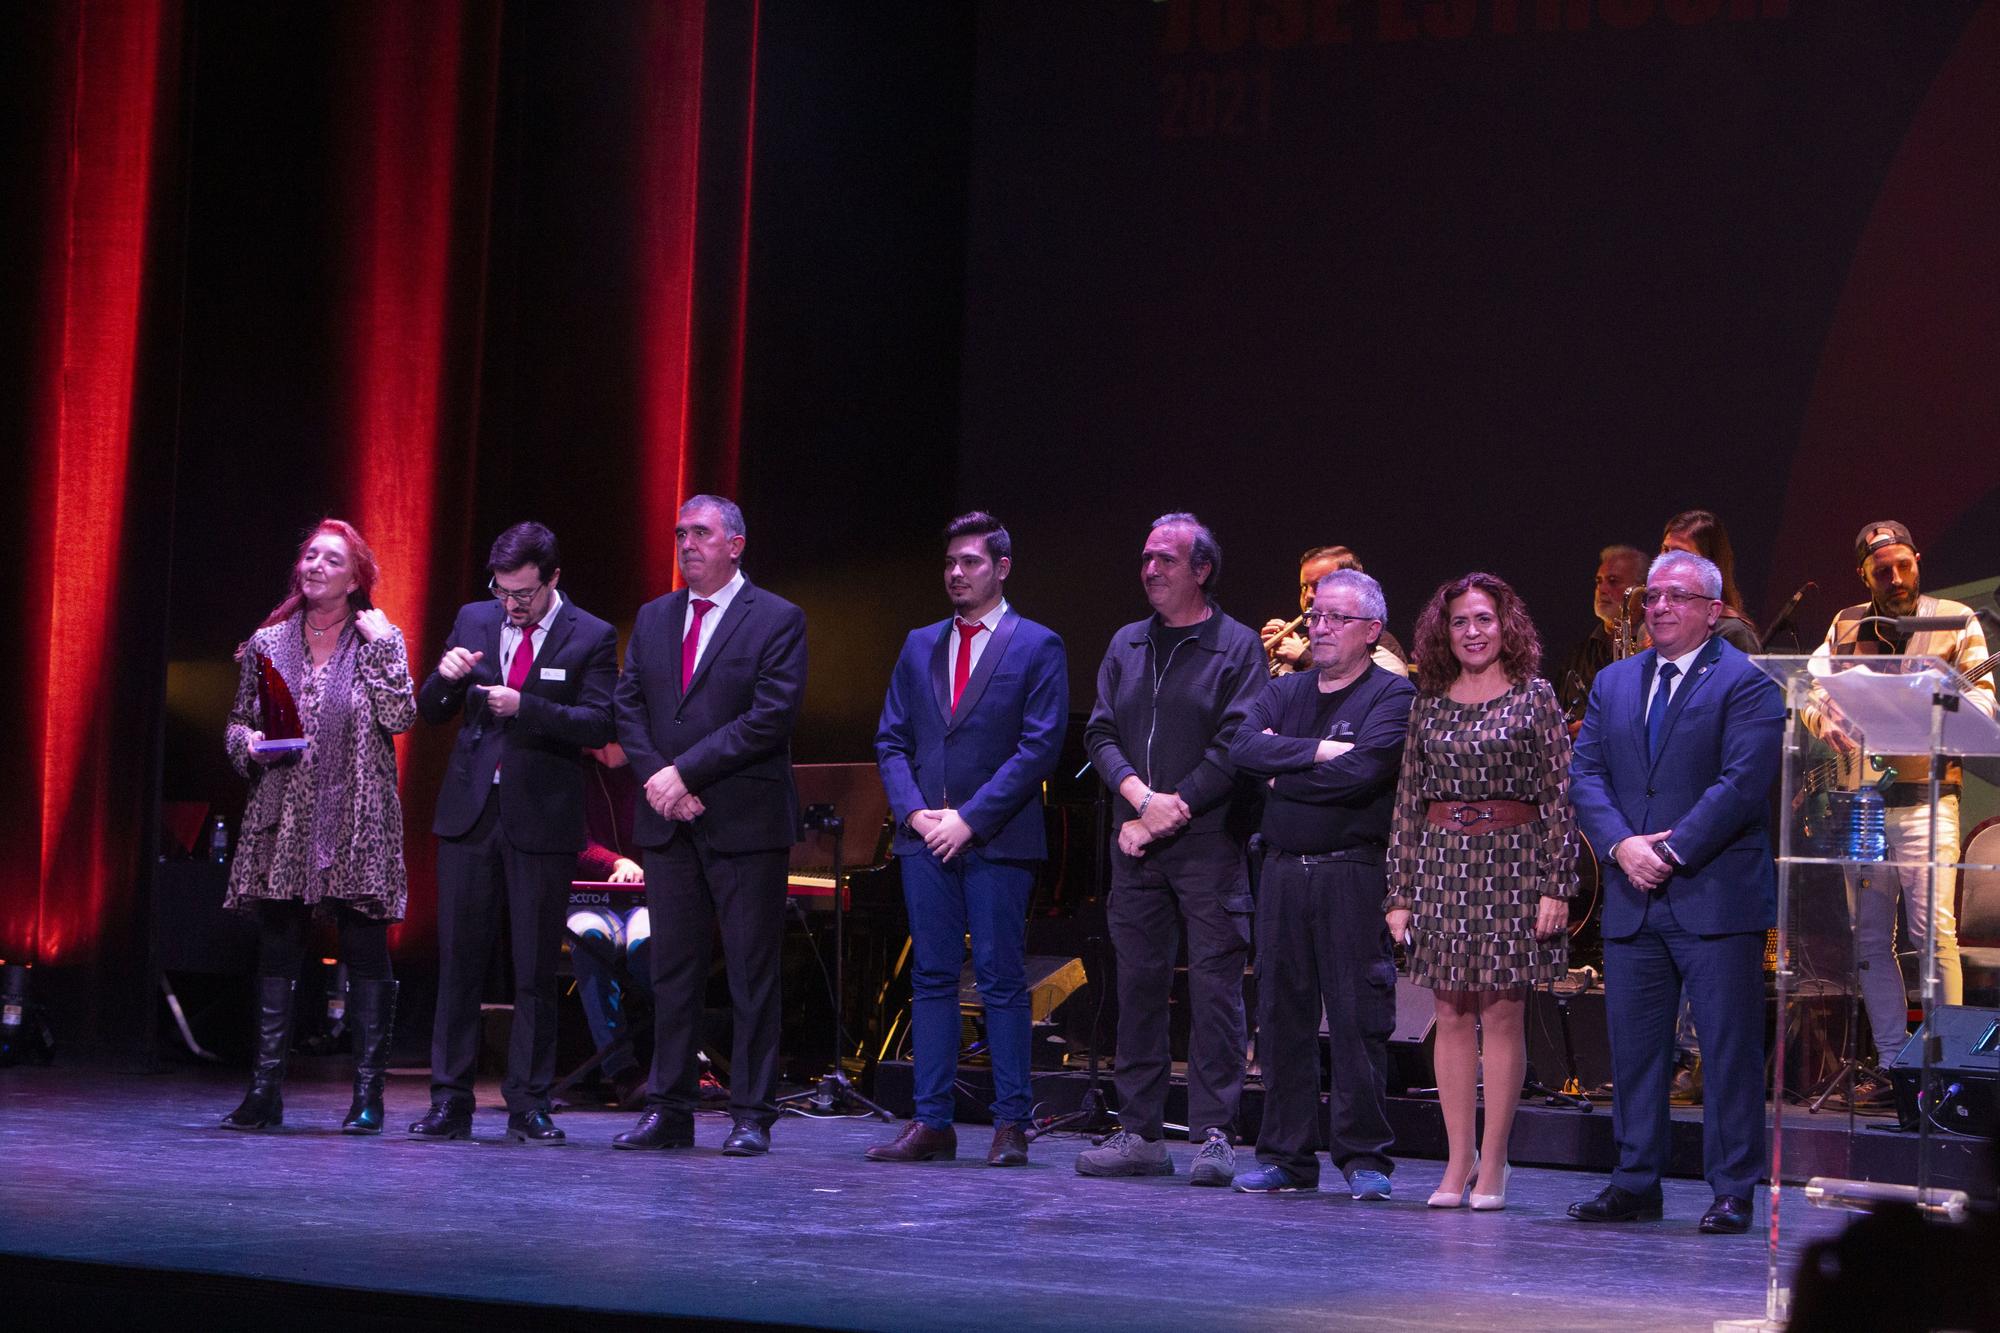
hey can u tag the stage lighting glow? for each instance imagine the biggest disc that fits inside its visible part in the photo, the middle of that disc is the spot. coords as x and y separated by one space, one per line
638 928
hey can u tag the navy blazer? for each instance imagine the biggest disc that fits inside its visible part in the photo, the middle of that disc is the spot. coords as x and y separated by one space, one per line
730 735
565 709
989 759
1711 784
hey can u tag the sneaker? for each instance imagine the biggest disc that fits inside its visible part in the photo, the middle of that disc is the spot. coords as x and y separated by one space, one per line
1274 1180
1125 1154
1368 1185
1215 1164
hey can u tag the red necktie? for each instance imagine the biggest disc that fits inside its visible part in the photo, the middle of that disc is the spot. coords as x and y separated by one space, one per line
967 632
702 606
524 658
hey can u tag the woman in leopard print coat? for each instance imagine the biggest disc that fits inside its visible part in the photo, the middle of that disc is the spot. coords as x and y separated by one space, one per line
323 829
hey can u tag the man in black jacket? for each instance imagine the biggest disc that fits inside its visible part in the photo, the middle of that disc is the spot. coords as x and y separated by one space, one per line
1329 743
533 674
1171 692
714 677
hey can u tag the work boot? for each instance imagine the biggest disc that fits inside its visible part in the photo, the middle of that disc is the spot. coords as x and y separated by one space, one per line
263 1106
371 1011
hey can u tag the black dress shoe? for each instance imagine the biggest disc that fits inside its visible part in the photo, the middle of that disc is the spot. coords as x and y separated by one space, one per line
746 1138
534 1127
1617 1205
657 1130
445 1120
918 1143
1010 1147
1729 1215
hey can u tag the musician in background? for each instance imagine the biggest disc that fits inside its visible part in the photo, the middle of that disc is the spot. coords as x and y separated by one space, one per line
1619 570
1889 565
1286 643
1701 533
610 804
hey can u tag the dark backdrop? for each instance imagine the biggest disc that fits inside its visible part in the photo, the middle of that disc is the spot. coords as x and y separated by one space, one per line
1481 286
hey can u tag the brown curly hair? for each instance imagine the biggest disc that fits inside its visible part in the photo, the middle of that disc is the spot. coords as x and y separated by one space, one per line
1520 647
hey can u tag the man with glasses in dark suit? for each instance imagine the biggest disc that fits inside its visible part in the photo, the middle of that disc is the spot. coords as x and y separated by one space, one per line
532 673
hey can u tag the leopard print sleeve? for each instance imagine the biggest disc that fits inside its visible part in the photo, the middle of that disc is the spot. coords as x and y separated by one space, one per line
383 670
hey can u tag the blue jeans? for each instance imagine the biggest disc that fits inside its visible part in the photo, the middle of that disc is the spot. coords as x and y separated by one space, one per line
989 898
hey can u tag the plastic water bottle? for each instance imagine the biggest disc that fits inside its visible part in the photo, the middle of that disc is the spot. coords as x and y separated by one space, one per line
218 841
1866 840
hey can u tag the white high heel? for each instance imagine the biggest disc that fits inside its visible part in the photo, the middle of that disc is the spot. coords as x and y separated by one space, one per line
1492 1203
1447 1199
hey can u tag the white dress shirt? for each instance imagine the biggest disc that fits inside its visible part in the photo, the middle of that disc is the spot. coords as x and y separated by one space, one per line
722 597
979 641
510 643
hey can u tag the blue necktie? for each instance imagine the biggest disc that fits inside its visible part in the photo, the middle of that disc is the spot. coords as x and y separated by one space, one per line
1656 712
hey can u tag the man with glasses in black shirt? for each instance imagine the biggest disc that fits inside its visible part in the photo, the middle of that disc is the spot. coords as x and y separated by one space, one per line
1329 744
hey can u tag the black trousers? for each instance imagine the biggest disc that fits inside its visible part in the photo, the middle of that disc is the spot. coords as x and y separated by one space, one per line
1321 940
480 874
691 890
1200 881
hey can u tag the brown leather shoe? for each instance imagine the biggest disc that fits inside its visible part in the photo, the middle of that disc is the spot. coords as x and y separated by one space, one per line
918 1143
1010 1147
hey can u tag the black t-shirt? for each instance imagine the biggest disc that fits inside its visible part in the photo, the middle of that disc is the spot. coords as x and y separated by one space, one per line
1167 637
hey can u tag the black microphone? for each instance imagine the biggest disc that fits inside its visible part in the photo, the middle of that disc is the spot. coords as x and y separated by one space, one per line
1791 609
1928 624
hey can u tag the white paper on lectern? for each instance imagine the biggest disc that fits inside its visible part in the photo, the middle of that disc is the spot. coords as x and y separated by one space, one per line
1891 707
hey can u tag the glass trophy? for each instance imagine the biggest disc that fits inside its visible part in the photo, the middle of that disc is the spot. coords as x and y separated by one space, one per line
283 734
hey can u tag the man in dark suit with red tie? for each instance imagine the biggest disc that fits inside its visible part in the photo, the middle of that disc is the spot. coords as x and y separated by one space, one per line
533 674
971 728
714 676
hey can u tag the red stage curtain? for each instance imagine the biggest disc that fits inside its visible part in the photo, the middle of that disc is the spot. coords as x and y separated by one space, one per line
83 786
417 103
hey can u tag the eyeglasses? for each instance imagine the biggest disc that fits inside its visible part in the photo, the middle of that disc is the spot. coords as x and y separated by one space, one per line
1331 619
1661 596
520 597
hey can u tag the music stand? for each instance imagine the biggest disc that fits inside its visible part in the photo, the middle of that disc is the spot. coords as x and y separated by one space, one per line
834 1093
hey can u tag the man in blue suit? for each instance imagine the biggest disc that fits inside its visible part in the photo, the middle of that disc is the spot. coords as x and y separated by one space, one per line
970 729
1672 773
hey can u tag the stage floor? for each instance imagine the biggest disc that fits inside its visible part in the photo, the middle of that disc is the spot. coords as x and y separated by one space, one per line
127 1170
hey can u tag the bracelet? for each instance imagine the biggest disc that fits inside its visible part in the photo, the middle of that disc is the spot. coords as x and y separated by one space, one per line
1143 804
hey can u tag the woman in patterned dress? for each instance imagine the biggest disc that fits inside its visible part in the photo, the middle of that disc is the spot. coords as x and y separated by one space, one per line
1482 860
323 828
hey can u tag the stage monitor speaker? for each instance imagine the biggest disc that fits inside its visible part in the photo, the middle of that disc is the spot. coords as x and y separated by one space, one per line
1589 1036
1051 980
1965 1071
1412 1043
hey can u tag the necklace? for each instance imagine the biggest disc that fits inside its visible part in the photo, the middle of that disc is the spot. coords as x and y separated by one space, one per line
318 630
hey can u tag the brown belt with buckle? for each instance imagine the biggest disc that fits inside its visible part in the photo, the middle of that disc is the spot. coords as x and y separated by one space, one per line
1481 816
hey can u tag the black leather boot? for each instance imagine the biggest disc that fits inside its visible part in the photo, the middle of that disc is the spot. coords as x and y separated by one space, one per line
264 1105
371 1011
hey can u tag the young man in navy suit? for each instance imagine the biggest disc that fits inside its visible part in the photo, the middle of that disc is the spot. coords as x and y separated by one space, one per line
1672 776
971 728
714 676
532 673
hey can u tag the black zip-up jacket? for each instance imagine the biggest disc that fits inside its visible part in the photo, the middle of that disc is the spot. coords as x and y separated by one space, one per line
1171 722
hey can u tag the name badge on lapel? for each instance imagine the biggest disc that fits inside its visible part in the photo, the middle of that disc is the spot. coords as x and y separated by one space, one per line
555 673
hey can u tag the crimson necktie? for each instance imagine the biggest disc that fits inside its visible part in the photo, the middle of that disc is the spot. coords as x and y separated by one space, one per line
702 606
524 658
967 632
